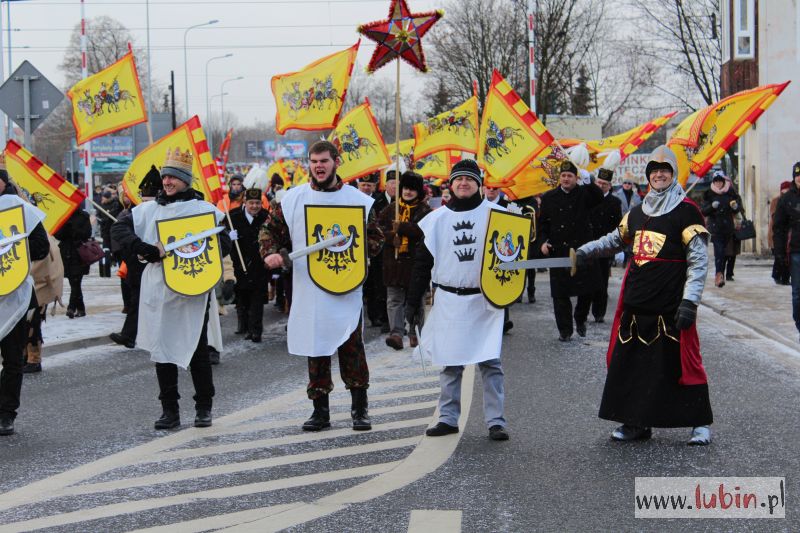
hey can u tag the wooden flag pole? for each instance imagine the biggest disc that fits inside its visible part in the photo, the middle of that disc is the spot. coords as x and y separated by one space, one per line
397 158
236 242
106 213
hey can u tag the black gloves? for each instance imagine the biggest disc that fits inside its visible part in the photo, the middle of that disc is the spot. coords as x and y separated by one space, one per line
228 290
686 315
148 252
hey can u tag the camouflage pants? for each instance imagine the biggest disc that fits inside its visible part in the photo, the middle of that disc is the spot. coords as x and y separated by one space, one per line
352 367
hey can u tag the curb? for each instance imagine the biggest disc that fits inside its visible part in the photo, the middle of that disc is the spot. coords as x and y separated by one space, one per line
758 329
77 344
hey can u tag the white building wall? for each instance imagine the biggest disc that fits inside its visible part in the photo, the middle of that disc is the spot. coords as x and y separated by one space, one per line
771 147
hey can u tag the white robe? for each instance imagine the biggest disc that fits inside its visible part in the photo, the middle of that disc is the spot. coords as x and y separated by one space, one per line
169 323
319 322
466 329
14 305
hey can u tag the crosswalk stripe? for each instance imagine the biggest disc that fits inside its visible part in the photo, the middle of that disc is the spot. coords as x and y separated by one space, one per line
188 453
138 506
232 468
422 521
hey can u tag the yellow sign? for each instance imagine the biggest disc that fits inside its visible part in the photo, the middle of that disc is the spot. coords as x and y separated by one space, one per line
507 240
108 101
15 262
340 268
195 268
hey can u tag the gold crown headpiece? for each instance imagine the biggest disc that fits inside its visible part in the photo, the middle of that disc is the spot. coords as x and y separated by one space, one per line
180 160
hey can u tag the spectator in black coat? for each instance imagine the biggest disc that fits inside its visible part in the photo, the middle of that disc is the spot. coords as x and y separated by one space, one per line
75 231
720 206
604 219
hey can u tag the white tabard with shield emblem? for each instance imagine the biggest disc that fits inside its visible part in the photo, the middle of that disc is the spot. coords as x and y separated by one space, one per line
319 322
461 329
14 305
169 323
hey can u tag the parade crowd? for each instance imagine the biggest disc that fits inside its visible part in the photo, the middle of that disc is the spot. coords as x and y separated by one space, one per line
416 245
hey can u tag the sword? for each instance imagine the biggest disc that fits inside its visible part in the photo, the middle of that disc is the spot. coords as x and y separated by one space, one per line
192 238
550 262
12 239
308 250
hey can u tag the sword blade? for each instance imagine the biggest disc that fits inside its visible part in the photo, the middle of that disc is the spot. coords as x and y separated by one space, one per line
193 238
308 250
13 239
550 262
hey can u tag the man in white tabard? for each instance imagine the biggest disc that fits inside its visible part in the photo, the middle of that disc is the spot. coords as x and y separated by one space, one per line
18 298
463 327
173 327
321 321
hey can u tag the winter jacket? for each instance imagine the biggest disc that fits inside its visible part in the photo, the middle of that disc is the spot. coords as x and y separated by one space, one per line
786 220
75 231
719 210
397 271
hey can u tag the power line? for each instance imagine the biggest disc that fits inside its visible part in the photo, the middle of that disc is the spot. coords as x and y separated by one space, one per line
275 26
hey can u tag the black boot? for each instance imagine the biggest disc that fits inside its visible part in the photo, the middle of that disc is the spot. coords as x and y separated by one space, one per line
321 417
170 419
203 418
359 412
6 425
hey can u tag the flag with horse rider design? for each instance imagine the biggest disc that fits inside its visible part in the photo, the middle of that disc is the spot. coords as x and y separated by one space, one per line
508 236
456 129
360 144
108 101
14 259
195 267
341 267
511 135
312 98
41 186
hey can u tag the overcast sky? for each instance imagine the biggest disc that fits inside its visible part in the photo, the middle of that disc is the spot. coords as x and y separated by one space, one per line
265 37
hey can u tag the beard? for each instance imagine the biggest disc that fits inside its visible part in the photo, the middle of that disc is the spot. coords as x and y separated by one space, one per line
327 182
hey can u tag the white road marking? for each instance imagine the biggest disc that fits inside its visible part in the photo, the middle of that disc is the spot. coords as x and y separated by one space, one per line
232 468
423 521
138 506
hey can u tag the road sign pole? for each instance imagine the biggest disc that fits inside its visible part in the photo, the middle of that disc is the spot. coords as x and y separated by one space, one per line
26 108
2 79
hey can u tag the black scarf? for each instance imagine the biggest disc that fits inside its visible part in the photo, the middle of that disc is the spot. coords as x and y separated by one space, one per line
464 204
183 196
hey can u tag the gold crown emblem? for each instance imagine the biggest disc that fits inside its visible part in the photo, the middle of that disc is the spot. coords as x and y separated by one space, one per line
2 161
178 159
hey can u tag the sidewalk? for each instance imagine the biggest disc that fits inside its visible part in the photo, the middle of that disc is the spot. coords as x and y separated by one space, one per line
754 300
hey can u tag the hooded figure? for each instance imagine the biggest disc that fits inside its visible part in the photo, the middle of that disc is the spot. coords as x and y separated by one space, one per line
655 373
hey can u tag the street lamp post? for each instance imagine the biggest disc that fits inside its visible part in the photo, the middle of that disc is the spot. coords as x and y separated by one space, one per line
208 115
222 100
185 61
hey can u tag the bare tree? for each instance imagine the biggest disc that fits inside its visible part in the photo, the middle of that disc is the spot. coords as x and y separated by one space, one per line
684 38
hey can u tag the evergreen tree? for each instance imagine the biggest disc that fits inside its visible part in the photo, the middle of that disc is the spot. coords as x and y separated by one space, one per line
582 97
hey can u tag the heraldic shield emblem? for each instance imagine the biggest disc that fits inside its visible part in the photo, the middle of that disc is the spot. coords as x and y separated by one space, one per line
507 239
15 262
196 267
341 267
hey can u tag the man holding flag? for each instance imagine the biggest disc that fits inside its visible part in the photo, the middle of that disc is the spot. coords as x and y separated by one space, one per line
325 316
17 298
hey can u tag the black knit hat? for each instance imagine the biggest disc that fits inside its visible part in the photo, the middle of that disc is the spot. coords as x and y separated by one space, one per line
568 166
412 180
236 177
276 179
468 168
151 183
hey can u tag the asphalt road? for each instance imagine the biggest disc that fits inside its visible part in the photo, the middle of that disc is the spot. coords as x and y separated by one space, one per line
87 459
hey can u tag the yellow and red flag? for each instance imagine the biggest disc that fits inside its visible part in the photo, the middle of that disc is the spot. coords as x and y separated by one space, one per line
704 136
108 101
360 144
188 136
456 129
312 98
625 143
511 135
299 172
222 158
537 177
42 187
